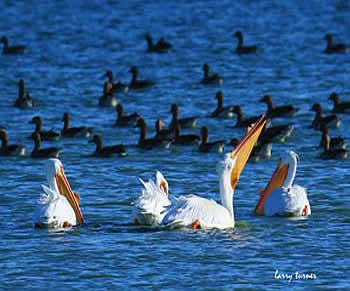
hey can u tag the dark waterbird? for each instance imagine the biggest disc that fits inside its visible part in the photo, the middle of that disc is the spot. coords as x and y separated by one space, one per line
125 120
107 151
241 121
11 50
320 121
10 150
138 84
278 133
333 48
162 132
205 146
214 78
241 49
44 135
51 152
23 100
335 143
330 153
277 111
162 46
149 143
108 99
187 139
114 87
188 122
67 131
339 107
221 110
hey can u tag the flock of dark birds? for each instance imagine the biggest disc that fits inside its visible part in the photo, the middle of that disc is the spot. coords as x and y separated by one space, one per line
333 148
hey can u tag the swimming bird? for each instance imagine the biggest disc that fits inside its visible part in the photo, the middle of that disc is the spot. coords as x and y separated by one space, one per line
220 110
10 150
44 135
278 133
281 197
11 50
205 146
162 132
329 152
108 99
108 151
334 143
186 139
23 100
241 121
339 107
196 212
125 120
149 209
214 78
162 46
333 48
67 131
241 49
59 206
138 84
319 121
51 152
114 87
149 143
277 111
188 122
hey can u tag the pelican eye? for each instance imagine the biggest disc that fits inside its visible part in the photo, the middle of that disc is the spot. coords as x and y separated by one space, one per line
54 217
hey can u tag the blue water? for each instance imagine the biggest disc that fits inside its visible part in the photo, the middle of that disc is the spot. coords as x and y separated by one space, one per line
70 46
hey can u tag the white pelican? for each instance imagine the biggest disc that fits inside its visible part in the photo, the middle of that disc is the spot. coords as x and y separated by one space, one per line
149 208
196 212
280 197
59 207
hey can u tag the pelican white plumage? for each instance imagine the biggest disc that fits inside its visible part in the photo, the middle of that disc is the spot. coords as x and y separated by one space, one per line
197 212
58 207
150 207
281 197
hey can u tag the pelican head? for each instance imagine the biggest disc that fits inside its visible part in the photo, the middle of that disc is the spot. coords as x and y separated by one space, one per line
283 176
61 204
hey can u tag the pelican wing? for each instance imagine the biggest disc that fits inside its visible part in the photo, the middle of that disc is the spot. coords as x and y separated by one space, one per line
187 209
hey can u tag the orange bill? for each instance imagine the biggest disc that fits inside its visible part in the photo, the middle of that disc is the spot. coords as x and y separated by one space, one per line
65 190
242 151
276 181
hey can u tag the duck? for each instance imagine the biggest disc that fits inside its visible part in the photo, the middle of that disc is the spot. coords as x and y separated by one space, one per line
278 111
330 153
339 107
319 121
162 46
278 133
184 140
51 152
162 132
125 120
214 78
10 150
108 99
11 50
67 131
23 100
333 48
205 146
222 111
241 49
188 122
241 121
280 197
149 143
114 87
138 84
44 135
335 143
108 151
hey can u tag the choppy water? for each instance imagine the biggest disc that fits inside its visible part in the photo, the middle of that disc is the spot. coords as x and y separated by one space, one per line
69 48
